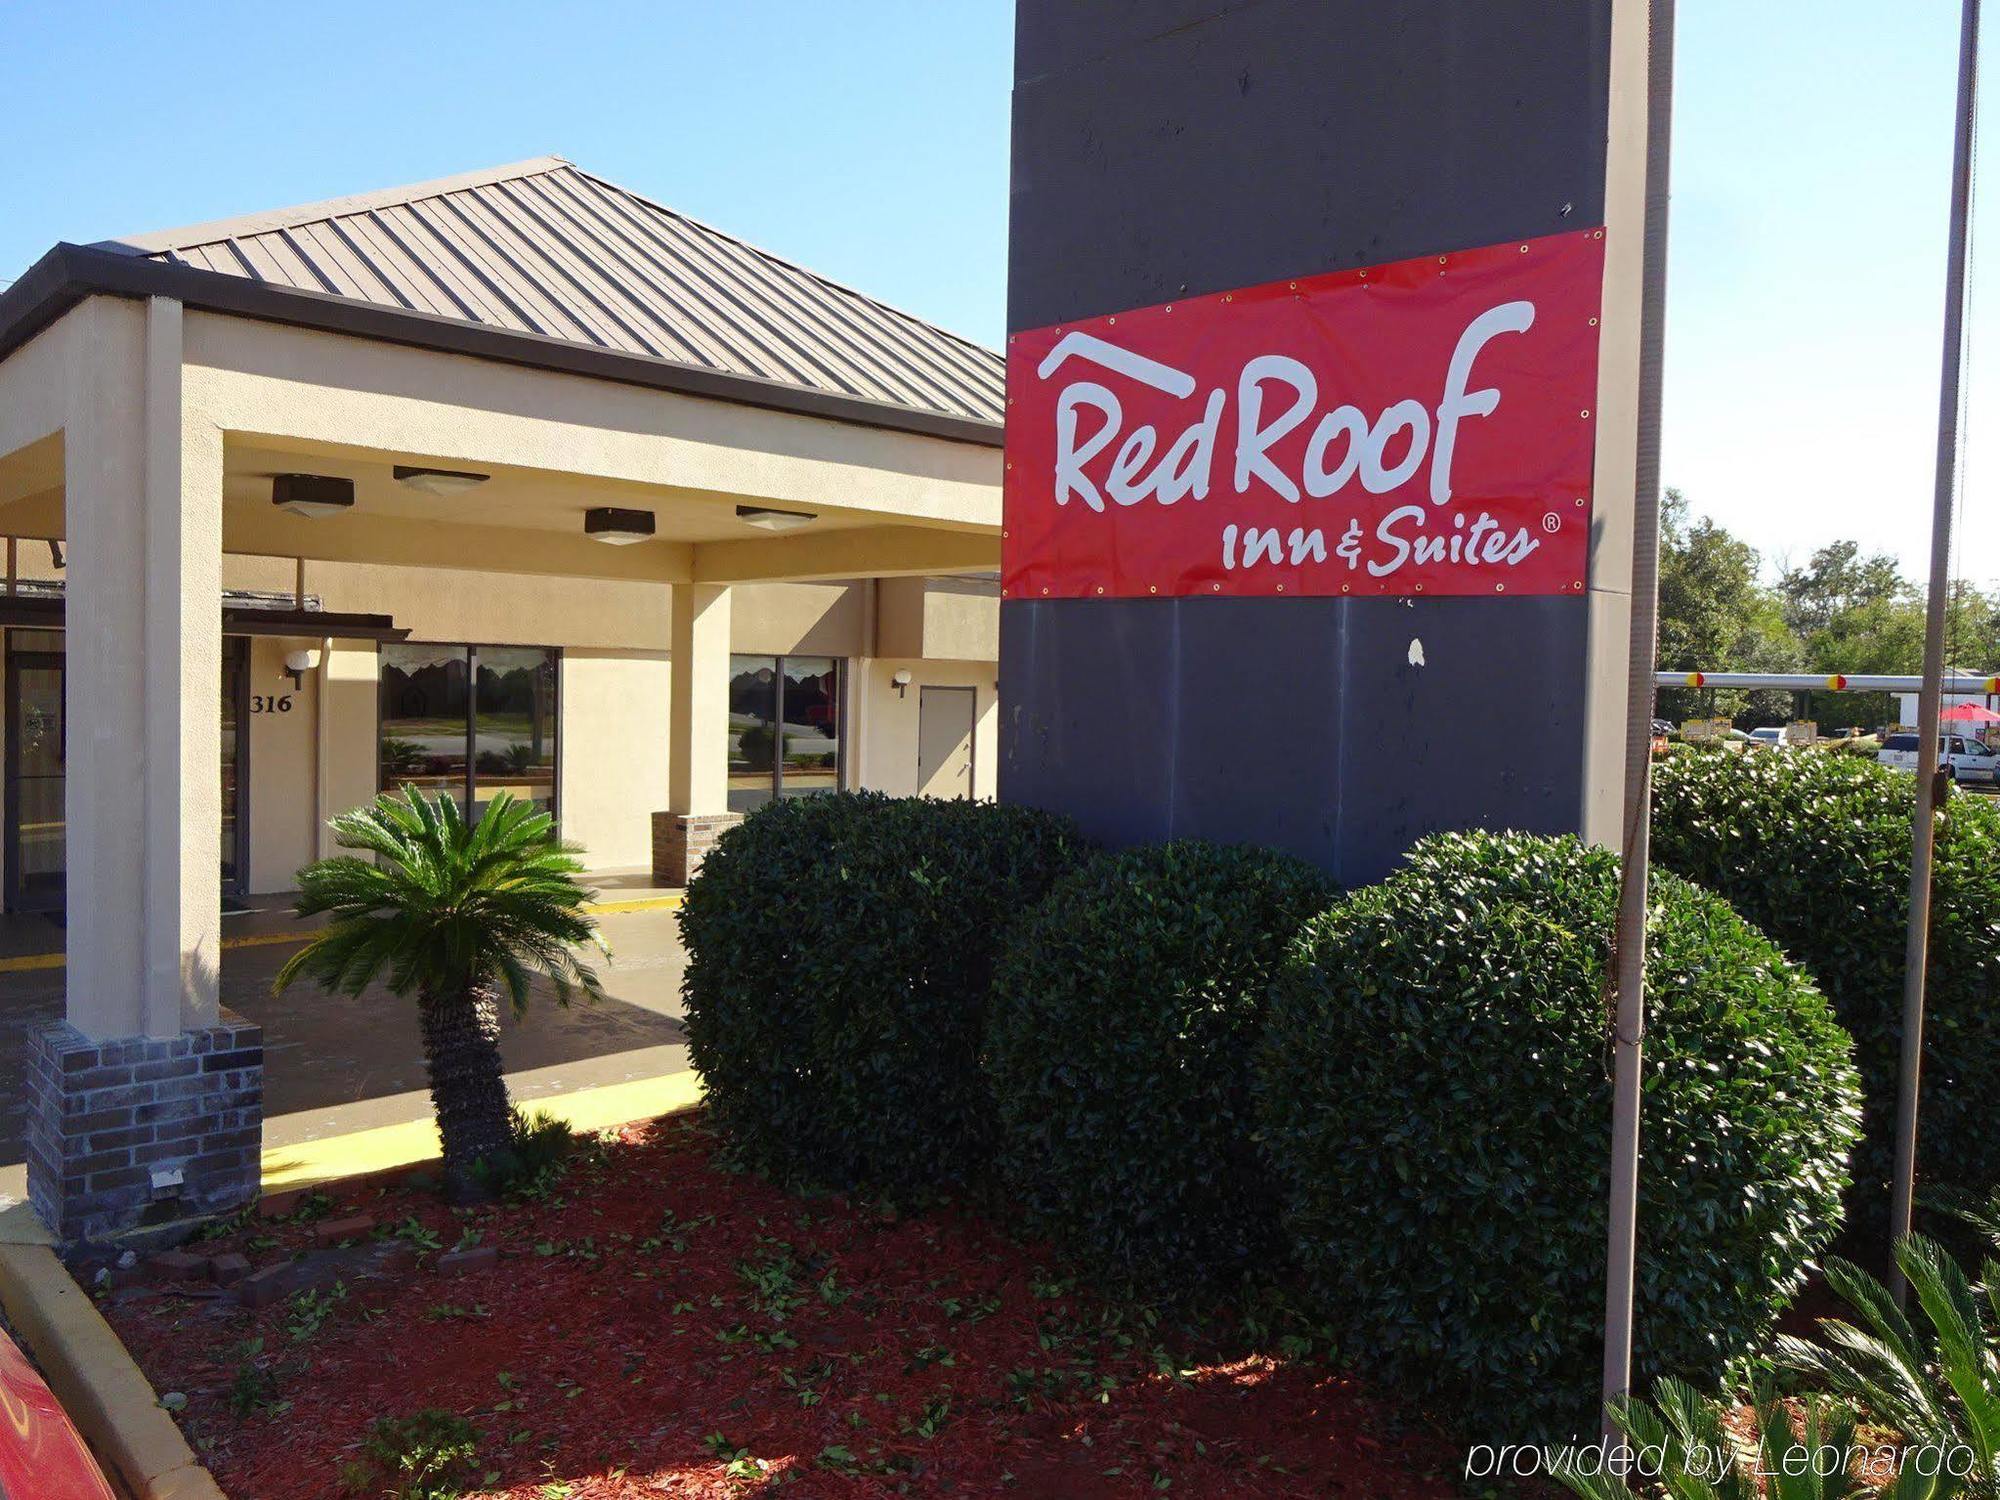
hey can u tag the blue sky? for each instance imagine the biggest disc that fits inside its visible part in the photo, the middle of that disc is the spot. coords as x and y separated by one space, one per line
869 141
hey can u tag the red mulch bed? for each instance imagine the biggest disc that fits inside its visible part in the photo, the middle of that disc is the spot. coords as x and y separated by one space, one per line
657 1326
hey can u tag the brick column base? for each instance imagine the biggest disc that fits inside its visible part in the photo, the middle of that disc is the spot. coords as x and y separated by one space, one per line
680 840
142 1132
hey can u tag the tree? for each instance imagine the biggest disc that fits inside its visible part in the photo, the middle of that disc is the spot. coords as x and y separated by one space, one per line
1716 616
450 913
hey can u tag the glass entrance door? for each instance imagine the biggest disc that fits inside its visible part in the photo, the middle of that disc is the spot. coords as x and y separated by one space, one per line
36 748
37 741
235 762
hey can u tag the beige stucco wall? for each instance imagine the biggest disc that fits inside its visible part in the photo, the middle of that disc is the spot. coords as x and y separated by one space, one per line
946 619
801 619
319 757
614 753
283 741
888 720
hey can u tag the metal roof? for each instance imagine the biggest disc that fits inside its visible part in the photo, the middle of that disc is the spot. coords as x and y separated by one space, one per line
544 248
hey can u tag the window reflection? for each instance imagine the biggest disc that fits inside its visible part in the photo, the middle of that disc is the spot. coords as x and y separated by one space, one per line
514 733
424 702
470 721
784 728
811 687
753 731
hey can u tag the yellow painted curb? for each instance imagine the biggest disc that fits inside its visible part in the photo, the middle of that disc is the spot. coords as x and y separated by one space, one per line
102 1390
22 963
413 1142
669 902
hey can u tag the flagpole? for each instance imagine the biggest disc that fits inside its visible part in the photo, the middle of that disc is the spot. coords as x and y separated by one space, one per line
1916 945
1629 955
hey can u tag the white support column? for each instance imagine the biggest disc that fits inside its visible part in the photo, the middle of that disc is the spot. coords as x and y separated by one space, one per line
698 733
143 512
698 715
146 1102
183 726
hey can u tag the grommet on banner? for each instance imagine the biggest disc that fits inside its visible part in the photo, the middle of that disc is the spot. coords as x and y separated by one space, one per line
1281 588
1499 588
1100 588
1579 499
1152 588
1586 413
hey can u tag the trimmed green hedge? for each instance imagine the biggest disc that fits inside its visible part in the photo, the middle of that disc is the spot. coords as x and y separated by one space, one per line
1434 1093
840 949
1815 849
1119 1043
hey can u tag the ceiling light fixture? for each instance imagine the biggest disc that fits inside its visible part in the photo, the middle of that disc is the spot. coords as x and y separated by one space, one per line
619 528
774 520
312 495
438 481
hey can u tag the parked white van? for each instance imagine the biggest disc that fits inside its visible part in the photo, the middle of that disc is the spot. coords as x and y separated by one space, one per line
1970 760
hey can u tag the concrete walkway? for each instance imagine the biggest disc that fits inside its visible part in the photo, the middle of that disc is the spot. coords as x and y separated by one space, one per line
337 1067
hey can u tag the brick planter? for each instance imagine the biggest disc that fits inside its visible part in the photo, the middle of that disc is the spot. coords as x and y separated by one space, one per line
143 1132
681 840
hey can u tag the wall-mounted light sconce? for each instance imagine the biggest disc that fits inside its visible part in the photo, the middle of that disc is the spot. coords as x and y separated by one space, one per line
438 481
764 517
297 664
312 495
617 528
901 681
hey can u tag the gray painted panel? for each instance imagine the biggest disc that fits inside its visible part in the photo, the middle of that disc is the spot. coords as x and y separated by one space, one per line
1293 137
1171 147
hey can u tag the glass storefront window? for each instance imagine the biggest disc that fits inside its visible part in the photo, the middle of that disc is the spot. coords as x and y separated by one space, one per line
753 731
811 707
514 729
425 697
470 720
784 728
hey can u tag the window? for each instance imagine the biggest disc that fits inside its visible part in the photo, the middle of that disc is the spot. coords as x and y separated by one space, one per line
784 728
473 721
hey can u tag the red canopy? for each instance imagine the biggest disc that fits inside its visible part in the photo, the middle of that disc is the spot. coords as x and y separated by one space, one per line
1969 713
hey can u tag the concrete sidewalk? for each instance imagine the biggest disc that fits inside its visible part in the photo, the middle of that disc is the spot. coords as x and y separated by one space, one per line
339 1068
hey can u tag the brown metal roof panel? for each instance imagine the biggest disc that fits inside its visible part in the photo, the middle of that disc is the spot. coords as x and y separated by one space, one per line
543 248
344 253
838 327
746 343
390 260
547 259
473 263
510 269
745 321
439 266
650 289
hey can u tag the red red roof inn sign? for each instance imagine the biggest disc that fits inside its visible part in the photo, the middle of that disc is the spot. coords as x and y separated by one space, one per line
1422 427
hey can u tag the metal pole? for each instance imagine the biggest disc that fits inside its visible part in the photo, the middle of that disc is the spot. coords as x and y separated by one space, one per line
1629 957
1916 947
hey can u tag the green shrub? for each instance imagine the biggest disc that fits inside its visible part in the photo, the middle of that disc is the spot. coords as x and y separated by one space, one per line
430 1456
839 953
1435 1096
1119 1043
1815 850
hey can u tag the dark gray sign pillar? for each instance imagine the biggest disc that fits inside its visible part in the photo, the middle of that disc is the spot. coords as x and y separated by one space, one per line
1181 147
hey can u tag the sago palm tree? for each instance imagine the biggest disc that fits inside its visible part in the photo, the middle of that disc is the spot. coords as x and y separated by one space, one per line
451 914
